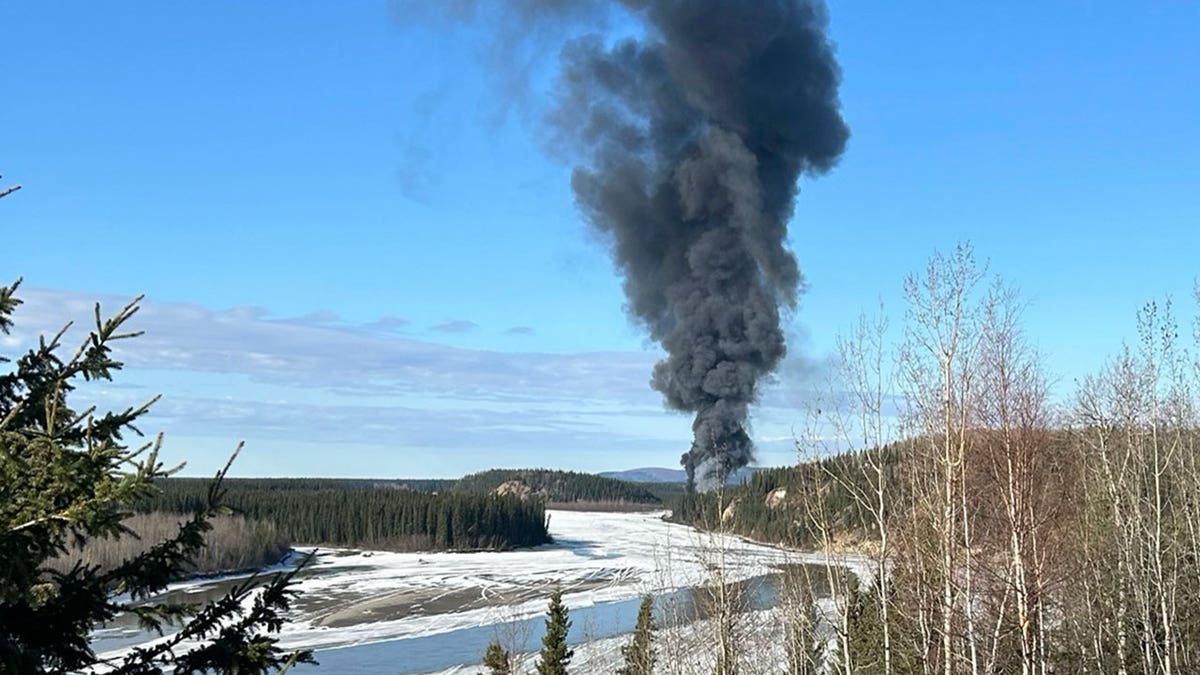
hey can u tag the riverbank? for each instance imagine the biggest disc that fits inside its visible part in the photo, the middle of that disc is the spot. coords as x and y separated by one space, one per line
410 608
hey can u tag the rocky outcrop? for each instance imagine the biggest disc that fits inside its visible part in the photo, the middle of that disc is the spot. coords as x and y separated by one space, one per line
514 487
775 498
729 512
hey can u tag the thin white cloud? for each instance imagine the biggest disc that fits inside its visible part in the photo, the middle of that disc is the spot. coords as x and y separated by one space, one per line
529 429
455 326
242 373
387 323
340 358
317 317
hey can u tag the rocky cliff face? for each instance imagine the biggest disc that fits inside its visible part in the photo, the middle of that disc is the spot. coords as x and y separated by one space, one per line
775 498
514 487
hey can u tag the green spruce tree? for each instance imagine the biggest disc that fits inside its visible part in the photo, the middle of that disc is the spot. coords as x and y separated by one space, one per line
497 659
640 654
555 654
68 476
865 635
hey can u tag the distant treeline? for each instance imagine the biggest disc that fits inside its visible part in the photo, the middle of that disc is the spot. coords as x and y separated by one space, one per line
369 514
557 487
664 491
781 505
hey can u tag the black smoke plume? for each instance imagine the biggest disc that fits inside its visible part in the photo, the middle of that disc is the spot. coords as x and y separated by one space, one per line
694 136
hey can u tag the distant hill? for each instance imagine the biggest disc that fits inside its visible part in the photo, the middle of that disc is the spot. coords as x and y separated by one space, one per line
658 474
557 487
648 474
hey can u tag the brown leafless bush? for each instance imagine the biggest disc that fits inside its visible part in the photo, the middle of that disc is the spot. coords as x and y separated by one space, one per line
235 543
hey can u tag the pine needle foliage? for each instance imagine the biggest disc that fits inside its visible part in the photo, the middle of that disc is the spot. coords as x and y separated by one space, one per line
555 654
371 514
497 659
68 477
639 655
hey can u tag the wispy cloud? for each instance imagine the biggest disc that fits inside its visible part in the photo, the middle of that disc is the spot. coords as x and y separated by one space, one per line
244 373
455 326
317 317
241 373
387 323
529 429
343 358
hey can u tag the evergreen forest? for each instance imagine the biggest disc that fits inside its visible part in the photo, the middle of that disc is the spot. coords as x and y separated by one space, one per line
559 487
790 505
369 514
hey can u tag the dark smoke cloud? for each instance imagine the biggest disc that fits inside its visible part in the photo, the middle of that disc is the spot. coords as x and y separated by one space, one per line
517 37
694 137
688 140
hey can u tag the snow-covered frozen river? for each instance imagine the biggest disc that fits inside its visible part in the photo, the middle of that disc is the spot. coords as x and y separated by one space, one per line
379 612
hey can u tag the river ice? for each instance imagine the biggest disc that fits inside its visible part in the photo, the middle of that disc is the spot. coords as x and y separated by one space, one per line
370 611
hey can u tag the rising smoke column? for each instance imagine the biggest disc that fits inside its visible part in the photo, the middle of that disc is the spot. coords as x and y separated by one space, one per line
694 136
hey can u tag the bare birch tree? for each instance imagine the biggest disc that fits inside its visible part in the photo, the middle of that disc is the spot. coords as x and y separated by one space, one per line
1136 434
938 377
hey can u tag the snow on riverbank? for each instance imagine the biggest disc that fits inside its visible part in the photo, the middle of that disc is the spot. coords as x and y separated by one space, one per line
355 597
596 557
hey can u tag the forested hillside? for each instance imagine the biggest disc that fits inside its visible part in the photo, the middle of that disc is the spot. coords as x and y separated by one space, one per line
370 514
663 491
557 487
784 505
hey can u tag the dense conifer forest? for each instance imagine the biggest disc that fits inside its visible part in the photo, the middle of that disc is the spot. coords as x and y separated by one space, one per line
665 491
497 509
784 505
557 487
370 514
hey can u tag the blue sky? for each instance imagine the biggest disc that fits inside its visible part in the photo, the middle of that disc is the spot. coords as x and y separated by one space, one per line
358 258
